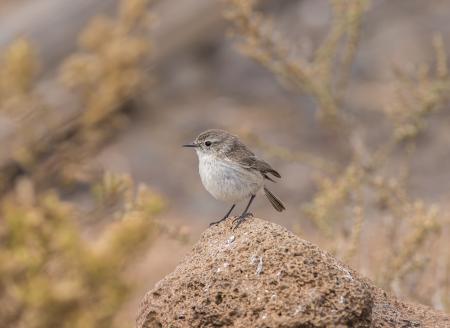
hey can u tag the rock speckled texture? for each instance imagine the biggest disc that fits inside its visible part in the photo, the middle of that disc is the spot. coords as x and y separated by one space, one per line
261 275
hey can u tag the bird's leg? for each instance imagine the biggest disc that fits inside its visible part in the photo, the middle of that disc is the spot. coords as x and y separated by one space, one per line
225 217
244 214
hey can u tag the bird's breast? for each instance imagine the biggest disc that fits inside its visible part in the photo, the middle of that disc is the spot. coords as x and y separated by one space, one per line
228 181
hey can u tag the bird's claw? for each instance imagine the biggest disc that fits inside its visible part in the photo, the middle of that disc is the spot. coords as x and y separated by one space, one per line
217 222
241 219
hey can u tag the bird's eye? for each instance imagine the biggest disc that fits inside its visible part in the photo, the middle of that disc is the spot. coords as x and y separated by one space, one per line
207 143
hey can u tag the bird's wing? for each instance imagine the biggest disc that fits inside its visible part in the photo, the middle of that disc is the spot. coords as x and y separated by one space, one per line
241 154
256 164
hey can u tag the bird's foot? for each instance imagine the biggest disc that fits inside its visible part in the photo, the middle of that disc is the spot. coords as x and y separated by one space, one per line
237 221
217 222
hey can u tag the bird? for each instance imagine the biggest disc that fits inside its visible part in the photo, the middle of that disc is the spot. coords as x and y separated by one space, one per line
231 172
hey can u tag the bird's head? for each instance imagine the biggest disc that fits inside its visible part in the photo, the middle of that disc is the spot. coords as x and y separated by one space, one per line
213 142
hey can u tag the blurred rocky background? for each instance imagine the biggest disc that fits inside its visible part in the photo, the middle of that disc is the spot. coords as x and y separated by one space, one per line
348 100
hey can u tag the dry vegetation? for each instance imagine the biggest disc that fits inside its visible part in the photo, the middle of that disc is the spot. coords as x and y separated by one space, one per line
107 71
18 69
51 275
416 97
318 75
54 272
363 213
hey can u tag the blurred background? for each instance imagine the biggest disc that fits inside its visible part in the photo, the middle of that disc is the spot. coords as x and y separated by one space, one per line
348 100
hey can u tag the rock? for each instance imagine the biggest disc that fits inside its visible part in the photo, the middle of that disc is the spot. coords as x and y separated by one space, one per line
262 275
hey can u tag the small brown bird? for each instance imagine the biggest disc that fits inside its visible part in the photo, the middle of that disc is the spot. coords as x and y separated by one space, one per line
231 172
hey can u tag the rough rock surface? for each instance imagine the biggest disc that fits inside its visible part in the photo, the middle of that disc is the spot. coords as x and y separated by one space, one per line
261 275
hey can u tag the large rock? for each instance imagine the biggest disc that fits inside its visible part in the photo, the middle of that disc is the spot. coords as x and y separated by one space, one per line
261 275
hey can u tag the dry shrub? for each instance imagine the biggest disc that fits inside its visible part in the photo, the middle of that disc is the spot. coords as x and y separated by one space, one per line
363 212
18 70
20 103
333 194
51 276
322 76
58 269
418 96
107 70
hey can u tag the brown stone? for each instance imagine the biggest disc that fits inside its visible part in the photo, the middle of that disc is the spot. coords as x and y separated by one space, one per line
262 275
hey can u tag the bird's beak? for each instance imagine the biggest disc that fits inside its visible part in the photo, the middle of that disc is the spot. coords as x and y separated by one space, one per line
190 145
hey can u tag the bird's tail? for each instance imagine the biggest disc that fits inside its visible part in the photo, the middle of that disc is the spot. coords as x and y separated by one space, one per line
276 203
